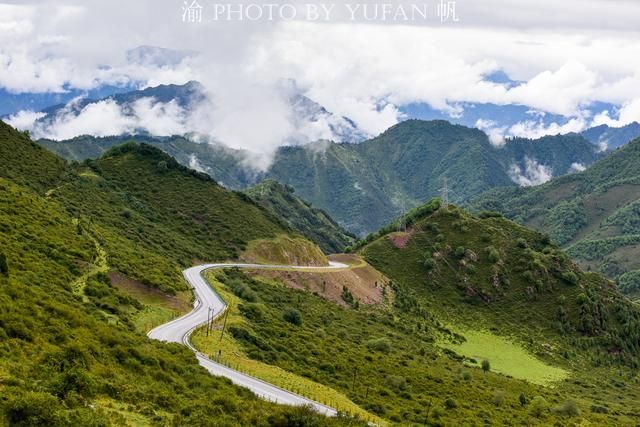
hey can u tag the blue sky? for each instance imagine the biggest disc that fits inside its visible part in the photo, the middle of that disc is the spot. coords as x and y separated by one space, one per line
566 57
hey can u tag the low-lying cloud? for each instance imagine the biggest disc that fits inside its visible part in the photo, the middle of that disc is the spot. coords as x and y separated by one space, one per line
533 173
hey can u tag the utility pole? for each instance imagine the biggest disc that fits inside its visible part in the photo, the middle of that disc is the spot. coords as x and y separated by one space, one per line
208 319
224 324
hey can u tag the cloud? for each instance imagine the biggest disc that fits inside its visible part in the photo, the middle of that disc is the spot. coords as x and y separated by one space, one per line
532 174
567 55
493 131
194 163
577 167
25 119
107 118
628 113
537 129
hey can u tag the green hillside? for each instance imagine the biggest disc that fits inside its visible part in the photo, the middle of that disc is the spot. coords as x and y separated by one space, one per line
364 186
494 280
144 205
70 350
559 346
595 214
315 224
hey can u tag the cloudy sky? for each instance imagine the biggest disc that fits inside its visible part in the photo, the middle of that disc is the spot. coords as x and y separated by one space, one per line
358 60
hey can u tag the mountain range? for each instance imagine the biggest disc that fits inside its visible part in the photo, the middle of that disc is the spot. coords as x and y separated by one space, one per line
380 178
594 214
414 331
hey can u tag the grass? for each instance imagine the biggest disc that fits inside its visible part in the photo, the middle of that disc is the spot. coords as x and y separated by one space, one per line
229 351
506 357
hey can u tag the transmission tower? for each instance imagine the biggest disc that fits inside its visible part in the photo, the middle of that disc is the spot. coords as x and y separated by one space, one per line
445 193
402 222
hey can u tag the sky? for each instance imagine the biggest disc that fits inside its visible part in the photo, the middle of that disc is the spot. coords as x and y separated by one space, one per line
360 60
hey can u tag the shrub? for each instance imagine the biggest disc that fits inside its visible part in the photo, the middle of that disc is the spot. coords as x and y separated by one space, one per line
538 407
293 316
467 376
568 409
460 251
429 263
493 254
498 398
4 264
523 399
570 277
490 214
522 243
396 382
486 365
450 403
380 344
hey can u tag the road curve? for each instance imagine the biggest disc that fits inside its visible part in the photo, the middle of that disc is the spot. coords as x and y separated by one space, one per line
180 329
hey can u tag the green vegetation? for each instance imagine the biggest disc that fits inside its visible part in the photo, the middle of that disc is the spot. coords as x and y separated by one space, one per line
594 214
315 224
155 221
72 355
390 362
500 355
365 186
286 250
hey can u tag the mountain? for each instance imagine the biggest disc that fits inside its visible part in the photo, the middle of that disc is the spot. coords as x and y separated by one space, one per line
364 186
73 315
593 214
315 224
610 138
171 109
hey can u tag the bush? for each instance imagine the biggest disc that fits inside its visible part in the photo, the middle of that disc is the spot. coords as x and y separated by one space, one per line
460 251
493 254
570 277
450 403
523 399
4 265
486 365
498 398
429 263
568 409
522 243
396 382
538 407
380 344
293 316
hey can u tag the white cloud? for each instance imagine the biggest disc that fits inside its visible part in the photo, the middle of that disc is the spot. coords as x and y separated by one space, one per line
24 120
194 163
359 70
577 167
533 130
533 173
628 113
493 131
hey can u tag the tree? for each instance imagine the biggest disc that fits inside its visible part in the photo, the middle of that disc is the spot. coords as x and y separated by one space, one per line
293 316
523 399
4 265
486 366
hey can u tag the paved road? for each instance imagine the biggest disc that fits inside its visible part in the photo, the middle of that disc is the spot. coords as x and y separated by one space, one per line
180 329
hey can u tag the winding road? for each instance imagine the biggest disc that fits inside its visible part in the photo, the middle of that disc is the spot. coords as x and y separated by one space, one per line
180 329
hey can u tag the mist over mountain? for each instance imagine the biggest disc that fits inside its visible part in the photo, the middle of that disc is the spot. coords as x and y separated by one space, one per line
380 178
